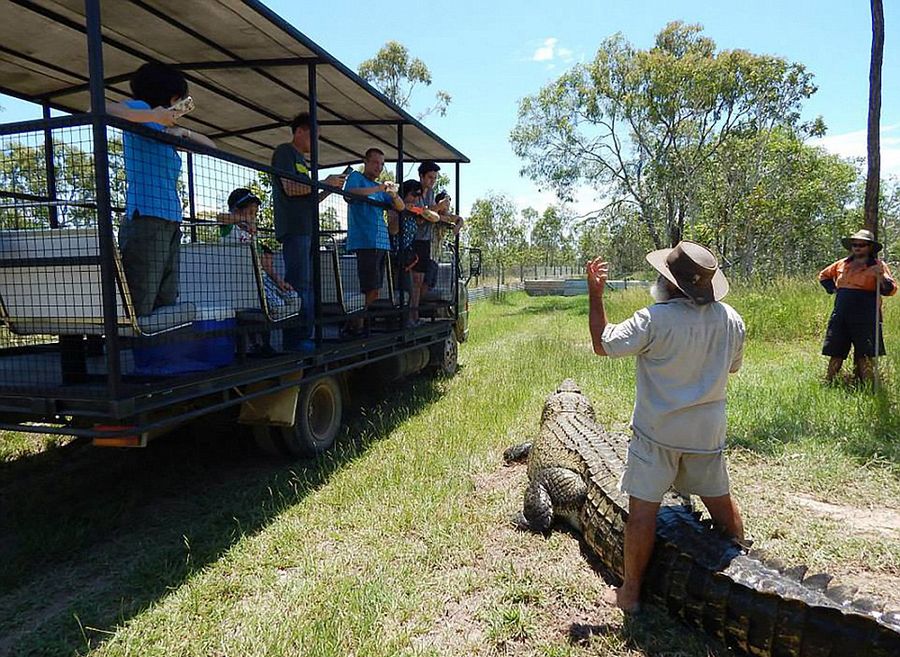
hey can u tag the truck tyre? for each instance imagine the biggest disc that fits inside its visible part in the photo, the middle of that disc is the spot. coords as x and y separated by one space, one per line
444 356
317 421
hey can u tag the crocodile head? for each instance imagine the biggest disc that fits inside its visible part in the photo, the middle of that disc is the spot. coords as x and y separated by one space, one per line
568 398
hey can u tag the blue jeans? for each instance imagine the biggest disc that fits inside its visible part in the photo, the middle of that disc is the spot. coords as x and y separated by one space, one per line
298 272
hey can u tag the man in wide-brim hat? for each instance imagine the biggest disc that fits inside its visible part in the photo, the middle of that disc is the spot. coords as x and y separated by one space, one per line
857 281
686 344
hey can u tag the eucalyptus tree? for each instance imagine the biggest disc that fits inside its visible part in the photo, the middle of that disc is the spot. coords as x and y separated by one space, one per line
641 125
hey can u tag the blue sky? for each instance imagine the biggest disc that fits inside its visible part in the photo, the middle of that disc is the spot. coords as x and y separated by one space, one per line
489 54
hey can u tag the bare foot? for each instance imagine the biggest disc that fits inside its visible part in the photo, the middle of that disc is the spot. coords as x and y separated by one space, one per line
628 603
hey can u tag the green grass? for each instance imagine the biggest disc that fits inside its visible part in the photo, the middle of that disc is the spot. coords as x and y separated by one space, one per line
393 544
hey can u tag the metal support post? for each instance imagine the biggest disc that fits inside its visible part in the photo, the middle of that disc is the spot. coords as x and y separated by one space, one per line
192 208
458 267
314 177
51 169
401 279
101 177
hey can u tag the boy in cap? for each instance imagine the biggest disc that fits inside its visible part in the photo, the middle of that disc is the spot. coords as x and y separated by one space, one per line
686 344
239 223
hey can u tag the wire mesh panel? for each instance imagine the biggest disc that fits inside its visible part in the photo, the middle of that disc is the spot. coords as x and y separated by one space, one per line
196 276
50 264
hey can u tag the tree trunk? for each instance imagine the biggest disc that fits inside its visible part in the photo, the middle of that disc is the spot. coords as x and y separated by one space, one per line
873 176
650 223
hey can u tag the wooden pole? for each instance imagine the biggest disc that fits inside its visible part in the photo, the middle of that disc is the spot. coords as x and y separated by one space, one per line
873 151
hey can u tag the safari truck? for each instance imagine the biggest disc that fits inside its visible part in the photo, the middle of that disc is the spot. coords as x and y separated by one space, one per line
77 357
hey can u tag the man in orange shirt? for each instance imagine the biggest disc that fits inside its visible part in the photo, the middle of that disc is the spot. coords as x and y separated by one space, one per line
853 319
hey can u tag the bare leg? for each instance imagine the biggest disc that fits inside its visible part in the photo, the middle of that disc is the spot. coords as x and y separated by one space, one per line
865 372
359 323
418 279
725 514
640 535
834 366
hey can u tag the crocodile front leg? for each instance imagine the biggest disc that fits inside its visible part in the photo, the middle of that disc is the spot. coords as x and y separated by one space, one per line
554 492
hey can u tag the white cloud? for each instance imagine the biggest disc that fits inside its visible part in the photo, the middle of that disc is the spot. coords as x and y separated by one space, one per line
853 144
546 52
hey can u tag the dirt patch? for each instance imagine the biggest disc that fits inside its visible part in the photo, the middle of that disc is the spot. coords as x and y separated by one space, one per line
528 594
879 521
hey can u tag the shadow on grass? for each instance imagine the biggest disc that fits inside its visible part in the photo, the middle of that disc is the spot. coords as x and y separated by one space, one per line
871 439
90 537
651 632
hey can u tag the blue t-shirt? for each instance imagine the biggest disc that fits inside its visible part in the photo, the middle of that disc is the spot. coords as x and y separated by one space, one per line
152 170
366 228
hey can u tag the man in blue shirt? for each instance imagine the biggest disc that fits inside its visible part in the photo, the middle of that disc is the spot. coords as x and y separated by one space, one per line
367 232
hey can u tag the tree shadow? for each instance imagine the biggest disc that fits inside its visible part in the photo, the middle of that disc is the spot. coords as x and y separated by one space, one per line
91 537
874 441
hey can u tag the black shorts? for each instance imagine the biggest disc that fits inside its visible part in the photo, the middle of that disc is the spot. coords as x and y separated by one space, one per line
845 330
370 267
422 249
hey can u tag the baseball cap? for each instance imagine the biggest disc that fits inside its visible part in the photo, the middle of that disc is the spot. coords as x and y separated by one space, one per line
241 198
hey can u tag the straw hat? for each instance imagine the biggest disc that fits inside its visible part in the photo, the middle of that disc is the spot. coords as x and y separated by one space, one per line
693 269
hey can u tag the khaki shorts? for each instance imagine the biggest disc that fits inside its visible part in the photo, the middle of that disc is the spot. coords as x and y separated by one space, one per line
651 470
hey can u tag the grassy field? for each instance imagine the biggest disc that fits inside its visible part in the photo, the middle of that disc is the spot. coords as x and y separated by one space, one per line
399 542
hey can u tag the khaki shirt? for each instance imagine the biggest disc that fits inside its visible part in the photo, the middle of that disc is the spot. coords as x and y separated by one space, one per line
684 354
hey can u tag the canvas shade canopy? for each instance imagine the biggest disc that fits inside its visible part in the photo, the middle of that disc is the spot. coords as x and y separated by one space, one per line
247 68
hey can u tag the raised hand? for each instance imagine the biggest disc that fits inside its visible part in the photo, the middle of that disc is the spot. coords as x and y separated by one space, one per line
164 116
597 273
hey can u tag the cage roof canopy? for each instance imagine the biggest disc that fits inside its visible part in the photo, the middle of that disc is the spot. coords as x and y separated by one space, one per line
247 68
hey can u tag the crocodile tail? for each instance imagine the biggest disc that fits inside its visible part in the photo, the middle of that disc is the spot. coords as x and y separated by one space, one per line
754 604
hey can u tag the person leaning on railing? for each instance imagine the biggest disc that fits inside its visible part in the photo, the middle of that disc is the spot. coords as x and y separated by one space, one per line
150 232
856 305
428 172
367 234
294 202
402 229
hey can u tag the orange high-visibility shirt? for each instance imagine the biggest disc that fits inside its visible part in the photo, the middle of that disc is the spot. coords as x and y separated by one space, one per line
853 275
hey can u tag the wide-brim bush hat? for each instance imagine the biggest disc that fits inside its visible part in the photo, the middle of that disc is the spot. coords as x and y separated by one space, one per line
693 269
862 236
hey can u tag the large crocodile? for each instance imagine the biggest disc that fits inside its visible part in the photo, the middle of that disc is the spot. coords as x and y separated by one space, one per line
740 597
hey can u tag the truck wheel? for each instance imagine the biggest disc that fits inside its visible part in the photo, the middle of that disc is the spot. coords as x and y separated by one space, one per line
317 421
444 356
